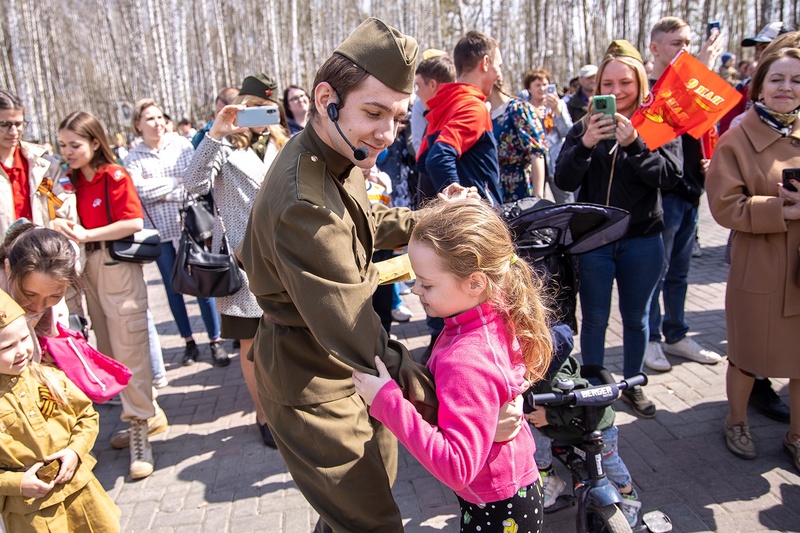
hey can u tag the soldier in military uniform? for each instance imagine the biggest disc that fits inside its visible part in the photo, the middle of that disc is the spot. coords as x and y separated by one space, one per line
307 253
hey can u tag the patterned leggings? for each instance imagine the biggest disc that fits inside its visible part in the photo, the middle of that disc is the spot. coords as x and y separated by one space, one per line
521 513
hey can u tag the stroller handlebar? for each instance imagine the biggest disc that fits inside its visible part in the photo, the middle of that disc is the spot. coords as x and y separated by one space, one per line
596 396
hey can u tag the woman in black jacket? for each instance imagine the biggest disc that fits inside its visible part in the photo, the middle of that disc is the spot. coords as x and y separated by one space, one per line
611 165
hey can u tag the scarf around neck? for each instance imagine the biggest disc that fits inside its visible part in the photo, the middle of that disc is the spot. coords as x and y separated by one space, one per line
780 122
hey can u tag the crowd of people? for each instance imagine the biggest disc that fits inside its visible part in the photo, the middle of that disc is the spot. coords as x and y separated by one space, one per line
353 172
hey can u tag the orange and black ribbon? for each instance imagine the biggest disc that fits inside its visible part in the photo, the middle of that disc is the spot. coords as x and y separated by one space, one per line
53 201
47 405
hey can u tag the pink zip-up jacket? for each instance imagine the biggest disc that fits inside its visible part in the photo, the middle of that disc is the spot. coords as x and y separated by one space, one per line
477 367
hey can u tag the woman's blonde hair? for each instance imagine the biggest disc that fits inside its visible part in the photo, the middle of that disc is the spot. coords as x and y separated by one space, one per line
641 78
277 133
469 236
138 109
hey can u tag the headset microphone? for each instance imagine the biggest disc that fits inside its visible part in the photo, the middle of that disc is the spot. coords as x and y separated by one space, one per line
359 153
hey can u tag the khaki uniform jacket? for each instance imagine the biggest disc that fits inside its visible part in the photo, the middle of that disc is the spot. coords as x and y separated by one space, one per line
26 438
307 252
763 293
40 166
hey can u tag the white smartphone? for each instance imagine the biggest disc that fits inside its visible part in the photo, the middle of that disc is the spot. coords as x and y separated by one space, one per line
550 89
252 117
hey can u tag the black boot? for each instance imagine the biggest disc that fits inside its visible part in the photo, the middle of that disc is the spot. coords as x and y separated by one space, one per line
767 402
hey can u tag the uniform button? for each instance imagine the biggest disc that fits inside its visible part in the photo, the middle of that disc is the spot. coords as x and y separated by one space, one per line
32 414
22 394
13 380
314 158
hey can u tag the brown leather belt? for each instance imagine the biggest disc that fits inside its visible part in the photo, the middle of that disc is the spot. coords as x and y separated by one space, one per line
94 246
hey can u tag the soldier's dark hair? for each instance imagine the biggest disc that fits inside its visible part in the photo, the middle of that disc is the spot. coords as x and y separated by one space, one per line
342 74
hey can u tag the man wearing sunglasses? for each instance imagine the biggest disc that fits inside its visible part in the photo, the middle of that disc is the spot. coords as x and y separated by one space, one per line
32 184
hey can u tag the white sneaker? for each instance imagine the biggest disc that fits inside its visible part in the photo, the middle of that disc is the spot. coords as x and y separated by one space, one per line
689 349
552 485
654 358
630 507
402 313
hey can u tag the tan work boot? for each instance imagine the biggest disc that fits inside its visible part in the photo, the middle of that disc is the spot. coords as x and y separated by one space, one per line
141 453
155 425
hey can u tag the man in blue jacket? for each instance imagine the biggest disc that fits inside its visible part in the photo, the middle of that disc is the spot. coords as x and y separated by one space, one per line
458 146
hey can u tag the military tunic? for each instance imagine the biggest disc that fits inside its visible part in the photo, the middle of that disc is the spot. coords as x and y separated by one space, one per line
307 252
27 437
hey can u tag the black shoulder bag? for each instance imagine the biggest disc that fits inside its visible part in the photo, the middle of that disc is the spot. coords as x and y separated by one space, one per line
199 272
144 246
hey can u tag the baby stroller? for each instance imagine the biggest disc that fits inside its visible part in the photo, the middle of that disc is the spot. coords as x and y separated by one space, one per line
548 235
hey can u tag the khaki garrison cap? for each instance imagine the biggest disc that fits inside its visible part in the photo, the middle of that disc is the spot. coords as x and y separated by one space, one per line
383 52
621 47
9 309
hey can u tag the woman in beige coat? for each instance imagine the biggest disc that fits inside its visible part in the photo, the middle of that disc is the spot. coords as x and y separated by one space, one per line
763 294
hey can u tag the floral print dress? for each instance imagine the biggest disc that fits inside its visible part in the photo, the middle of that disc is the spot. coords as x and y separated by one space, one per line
520 139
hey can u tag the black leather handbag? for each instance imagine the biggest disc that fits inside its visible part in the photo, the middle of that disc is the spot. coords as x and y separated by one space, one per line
198 217
144 246
200 272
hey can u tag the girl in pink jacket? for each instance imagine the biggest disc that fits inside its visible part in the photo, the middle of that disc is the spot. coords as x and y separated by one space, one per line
495 341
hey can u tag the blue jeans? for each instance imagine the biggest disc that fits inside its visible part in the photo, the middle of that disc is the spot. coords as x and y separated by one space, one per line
208 309
636 263
615 468
680 221
156 355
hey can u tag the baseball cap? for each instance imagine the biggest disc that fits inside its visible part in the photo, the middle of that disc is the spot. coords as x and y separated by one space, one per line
587 71
766 35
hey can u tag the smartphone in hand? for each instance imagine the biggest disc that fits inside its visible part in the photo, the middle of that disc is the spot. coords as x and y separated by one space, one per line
711 25
551 89
790 174
253 117
606 104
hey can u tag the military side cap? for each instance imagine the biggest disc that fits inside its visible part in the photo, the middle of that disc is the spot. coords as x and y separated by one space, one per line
384 53
261 85
9 309
432 52
622 48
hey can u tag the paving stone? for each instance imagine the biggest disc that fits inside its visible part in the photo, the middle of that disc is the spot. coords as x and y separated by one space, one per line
213 474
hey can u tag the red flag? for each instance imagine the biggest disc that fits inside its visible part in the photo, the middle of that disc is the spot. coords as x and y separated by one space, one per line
687 98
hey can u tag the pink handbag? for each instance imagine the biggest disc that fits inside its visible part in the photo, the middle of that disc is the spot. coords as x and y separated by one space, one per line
97 375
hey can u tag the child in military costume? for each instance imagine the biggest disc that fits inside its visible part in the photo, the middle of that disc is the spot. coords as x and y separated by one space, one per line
47 428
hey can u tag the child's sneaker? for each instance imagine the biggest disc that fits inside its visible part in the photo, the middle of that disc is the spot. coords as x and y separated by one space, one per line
552 484
630 507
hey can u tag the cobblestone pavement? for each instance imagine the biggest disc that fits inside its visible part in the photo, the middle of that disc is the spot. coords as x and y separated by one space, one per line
214 475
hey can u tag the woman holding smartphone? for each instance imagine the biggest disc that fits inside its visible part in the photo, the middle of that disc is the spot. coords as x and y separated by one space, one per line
554 116
233 162
747 192
611 165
